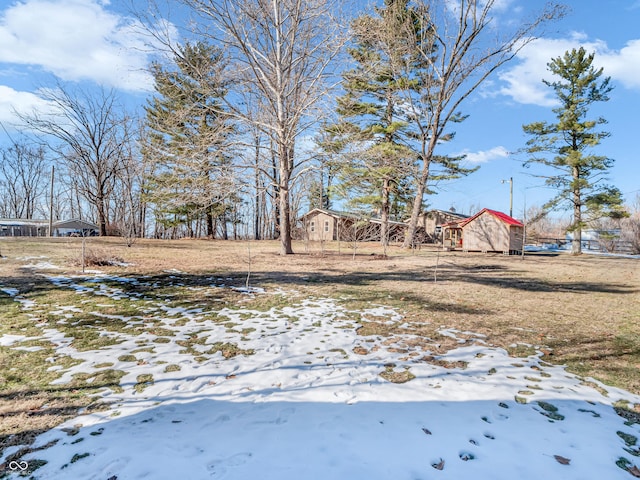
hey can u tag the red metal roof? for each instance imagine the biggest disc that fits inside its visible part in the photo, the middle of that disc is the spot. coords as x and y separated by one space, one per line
499 215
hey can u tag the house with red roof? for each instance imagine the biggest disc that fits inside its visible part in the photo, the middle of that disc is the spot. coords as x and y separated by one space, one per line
486 231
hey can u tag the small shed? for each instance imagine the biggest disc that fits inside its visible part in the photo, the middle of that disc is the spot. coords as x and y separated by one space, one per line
492 231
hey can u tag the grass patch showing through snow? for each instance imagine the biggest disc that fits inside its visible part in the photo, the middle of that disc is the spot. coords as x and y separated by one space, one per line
579 311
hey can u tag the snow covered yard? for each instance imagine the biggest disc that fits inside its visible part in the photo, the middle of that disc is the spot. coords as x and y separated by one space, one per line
292 390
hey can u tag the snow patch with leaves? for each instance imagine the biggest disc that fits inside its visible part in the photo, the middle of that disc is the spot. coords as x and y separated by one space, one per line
296 393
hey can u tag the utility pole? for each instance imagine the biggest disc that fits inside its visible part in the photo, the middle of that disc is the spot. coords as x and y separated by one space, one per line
53 169
510 195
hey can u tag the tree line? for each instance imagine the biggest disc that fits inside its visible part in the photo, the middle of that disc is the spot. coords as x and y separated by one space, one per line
274 105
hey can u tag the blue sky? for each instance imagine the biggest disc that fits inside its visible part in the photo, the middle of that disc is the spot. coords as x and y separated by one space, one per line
97 42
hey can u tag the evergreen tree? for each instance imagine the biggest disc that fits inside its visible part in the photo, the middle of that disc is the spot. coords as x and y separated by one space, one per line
372 128
565 145
395 96
188 141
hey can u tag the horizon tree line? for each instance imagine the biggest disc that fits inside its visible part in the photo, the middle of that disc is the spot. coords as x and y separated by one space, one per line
225 140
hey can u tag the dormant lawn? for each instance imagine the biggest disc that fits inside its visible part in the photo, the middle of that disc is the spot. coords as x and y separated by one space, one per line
423 364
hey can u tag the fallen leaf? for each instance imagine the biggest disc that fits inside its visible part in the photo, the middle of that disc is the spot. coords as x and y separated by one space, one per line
634 471
562 460
438 466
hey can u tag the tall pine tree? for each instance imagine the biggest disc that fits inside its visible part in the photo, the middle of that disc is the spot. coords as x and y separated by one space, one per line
189 139
372 129
393 99
566 145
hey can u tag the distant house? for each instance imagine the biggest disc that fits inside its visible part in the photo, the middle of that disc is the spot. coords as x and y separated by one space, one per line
598 239
431 222
17 227
74 227
324 224
486 231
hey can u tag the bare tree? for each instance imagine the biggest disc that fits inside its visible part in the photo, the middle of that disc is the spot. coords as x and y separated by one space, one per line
281 51
630 226
542 227
462 48
128 200
22 179
92 134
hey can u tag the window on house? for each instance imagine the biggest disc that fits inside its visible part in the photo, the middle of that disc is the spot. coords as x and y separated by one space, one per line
313 226
326 225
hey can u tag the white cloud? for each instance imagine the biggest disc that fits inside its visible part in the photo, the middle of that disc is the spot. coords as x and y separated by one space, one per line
523 83
22 102
496 7
623 66
76 40
485 156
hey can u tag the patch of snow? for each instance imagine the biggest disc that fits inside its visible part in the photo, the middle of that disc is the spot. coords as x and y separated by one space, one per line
299 400
116 263
12 292
7 340
29 349
249 290
42 266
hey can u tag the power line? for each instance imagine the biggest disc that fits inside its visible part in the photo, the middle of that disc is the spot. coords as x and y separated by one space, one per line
7 132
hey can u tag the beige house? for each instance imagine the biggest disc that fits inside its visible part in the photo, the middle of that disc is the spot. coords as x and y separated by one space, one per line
431 222
486 231
325 225
322 224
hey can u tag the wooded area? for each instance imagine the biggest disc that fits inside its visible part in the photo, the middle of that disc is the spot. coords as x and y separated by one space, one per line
270 109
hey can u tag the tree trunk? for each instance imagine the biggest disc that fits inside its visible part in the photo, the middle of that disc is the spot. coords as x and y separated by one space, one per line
256 226
576 243
223 224
209 219
283 202
102 216
384 215
415 211
276 197
427 154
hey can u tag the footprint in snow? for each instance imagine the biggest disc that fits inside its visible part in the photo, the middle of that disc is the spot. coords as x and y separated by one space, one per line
219 468
116 466
346 397
466 456
282 418
284 415
222 419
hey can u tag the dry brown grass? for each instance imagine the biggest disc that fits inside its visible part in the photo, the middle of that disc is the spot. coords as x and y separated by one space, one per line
581 311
